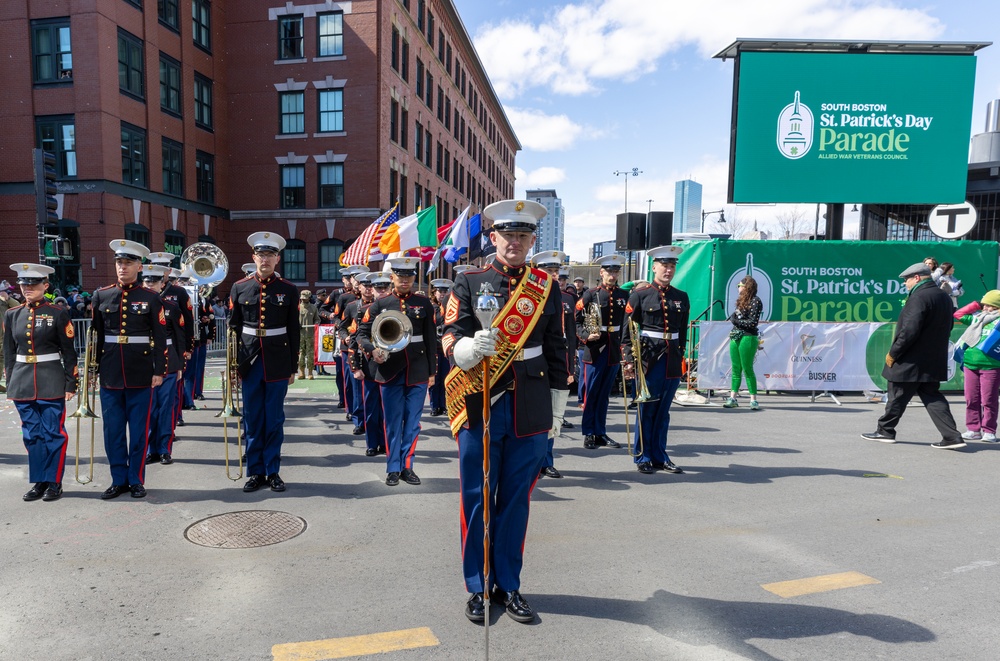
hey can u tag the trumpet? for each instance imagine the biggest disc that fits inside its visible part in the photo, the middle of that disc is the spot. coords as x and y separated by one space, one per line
85 410
232 395
391 331
642 390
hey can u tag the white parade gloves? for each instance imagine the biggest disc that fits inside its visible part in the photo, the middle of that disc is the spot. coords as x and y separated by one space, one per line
470 351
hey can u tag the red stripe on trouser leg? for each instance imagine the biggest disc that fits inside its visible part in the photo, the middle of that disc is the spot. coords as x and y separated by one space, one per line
61 467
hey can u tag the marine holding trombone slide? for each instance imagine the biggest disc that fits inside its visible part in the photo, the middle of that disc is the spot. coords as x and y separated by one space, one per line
657 317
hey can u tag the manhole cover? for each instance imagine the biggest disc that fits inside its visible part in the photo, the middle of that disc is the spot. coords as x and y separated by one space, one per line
244 530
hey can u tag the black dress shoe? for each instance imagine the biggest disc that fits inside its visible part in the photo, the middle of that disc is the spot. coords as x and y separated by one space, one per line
880 437
180 422
609 442
152 458
349 417
475 608
517 608
646 467
166 459
436 412
54 492
409 476
276 483
371 452
340 405
392 479
590 442
568 425
550 471
379 450
200 398
36 492
189 408
255 482
138 491
667 466
114 491
359 430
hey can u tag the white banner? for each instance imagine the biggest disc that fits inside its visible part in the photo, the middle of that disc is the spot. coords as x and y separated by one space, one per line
327 344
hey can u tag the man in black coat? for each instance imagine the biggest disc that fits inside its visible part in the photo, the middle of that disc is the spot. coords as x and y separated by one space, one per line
917 361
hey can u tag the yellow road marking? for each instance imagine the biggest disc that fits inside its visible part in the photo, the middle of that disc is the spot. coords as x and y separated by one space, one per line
339 648
882 475
799 587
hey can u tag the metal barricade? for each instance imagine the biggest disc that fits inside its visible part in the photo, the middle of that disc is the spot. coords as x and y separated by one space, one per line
217 347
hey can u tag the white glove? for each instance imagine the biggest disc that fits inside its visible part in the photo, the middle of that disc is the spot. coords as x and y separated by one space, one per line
470 351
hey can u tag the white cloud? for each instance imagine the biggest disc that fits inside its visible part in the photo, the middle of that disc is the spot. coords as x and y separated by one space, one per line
539 178
540 132
582 44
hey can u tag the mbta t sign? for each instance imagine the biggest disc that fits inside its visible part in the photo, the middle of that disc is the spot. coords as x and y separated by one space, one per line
952 221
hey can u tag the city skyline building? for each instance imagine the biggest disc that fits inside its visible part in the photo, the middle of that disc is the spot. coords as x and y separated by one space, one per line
687 206
552 228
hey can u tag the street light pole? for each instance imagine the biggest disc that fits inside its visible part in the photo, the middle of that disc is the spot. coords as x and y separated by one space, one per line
706 214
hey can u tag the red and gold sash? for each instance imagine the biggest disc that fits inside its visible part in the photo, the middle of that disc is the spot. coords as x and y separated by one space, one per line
515 321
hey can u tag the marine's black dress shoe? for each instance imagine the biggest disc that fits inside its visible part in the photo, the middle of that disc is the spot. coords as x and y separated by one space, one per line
255 482
371 452
380 450
152 458
550 471
568 425
36 492
667 466
517 608
392 479
609 442
475 608
590 442
409 476
359 430
276 483
166 459
138 491
200 398
438 412
54 492
180 422
646 467
114 491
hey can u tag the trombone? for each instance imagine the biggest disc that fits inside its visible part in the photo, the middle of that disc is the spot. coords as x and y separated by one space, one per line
232 398
88 386
642 391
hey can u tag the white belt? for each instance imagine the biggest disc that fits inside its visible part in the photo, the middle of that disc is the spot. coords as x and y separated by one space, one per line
40 358
610 329
528 354
416 338
169 341
263 332
659 335
127 339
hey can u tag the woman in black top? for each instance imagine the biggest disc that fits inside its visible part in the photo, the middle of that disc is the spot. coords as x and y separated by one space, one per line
744 340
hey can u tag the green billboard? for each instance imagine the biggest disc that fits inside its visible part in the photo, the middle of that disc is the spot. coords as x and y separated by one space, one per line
839 127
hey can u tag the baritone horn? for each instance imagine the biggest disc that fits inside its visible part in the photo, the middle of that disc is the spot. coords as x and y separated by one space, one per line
87 386
592 319
642 394
391 331
232 396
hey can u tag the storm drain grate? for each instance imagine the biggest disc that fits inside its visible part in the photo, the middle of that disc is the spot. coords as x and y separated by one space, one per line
245 530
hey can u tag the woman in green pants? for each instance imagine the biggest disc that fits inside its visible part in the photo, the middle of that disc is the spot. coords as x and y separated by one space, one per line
743 341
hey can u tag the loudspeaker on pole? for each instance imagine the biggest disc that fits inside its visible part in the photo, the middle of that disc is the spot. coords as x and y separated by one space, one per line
659 229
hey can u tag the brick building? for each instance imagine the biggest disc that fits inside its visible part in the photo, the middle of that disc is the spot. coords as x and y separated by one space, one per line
301 117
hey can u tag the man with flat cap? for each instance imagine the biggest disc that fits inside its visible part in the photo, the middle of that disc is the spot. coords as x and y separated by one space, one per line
40 367
527 361
917 361
131 331
440 289
661 312
264 315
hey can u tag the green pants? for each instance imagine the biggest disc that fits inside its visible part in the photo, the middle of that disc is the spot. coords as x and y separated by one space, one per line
742 352
306 351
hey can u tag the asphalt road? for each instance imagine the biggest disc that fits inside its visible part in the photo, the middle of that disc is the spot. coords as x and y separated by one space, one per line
618 565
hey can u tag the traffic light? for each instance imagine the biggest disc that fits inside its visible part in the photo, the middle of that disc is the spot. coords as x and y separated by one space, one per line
45 188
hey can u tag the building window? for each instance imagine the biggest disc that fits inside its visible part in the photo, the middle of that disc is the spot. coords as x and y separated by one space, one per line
293 260
201 19
421 9
138 233
331 34
169 16
402 194
331 185
427 148
174 243
131 79
293 112
404 120
394 59
135 3
331 110
293 186
58 135
404 70
133 155
170 84
290 38
394 121
418 141
202 101
330 251
447 113
430 29
440 104
52 54
173 168
393 186
204 175
420 78
440 158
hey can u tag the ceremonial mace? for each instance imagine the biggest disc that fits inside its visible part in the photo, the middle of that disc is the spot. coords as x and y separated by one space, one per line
487 308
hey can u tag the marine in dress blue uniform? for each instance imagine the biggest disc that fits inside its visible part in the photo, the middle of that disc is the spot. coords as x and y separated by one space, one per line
403 375
662 313
264 315
163 415
344 375
441 288
131 332
521 409
364 368
601 352
40 369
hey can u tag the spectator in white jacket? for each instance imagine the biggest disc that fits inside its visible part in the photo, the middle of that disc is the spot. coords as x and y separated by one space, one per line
945 278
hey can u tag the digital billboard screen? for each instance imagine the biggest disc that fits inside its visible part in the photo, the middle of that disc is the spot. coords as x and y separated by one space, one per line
846 127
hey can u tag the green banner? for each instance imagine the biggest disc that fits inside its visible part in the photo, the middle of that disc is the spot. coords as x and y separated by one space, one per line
837 127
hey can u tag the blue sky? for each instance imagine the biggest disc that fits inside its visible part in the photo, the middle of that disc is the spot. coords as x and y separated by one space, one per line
597 86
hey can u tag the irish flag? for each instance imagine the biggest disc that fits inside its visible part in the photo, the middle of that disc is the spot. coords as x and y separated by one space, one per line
416 231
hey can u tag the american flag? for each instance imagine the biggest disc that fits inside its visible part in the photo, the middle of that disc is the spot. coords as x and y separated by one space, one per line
366 245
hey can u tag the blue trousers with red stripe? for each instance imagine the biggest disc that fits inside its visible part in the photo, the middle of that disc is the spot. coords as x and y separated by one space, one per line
374 431
437 390
514 465
264 417
161 421
600 378
338 361
401 408
655 416
357 409
121 408
344 367
43 427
